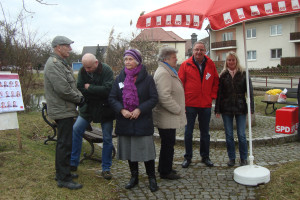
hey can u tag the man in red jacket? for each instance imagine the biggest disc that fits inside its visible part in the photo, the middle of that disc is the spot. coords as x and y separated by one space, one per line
200 80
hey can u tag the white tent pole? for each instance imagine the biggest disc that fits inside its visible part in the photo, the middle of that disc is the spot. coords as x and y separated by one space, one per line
250 174
251 157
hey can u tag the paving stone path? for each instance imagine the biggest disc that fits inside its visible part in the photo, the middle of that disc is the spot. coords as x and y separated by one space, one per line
201 182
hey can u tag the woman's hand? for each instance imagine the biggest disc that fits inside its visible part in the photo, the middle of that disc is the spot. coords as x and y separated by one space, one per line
218 115
135 114
86 86
126 113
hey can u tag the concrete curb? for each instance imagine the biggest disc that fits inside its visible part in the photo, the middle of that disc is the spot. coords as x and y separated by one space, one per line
258 142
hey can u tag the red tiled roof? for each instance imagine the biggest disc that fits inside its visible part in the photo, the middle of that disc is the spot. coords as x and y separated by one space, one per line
159 35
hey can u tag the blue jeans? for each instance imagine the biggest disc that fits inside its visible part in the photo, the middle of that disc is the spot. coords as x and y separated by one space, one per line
78 130
203 120
241 126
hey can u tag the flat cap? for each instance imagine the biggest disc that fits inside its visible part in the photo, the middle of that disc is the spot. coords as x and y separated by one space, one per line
59 40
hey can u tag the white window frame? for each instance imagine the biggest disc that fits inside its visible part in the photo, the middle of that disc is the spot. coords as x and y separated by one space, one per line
276 52
277 29
251 30
227 36
253 55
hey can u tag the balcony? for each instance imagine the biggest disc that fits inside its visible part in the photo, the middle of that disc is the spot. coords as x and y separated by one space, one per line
230 44
295 37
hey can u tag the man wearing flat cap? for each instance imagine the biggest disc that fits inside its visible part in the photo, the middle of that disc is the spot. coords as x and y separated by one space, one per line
62 98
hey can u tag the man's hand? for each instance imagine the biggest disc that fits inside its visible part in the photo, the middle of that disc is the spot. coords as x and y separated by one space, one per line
86 86
82 101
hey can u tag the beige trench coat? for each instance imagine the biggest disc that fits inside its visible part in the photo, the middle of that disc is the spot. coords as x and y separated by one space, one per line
169 113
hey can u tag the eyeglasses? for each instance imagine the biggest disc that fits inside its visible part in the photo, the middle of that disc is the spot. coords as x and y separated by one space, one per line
203 50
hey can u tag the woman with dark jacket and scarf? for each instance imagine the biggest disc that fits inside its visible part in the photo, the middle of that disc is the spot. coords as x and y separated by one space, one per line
231 102
133 96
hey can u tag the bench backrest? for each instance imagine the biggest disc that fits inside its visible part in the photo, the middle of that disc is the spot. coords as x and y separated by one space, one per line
291 92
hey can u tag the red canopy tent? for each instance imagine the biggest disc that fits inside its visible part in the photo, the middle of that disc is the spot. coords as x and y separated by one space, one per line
222 14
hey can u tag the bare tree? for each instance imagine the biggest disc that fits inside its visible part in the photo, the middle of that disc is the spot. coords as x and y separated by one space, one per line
23 51
39 1
117 46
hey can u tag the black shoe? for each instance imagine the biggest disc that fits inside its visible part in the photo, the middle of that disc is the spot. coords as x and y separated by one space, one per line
186 163
243 162
73 168
134 180
173 171
72 176
207 162
171 176
231 163
153 184
69 184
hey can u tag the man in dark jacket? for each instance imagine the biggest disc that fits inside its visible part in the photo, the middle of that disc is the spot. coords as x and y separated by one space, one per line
200 80
62 98
95 80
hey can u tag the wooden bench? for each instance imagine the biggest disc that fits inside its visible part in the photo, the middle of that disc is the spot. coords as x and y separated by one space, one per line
92 135
291 94
52 124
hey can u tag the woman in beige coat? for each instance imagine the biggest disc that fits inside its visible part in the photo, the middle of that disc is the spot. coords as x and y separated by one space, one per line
169 114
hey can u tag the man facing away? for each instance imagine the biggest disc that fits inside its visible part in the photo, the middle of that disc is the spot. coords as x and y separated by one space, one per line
95 80
62 98
200 80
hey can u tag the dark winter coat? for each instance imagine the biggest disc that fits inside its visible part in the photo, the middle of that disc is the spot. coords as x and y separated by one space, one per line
96 108
231 94
148 98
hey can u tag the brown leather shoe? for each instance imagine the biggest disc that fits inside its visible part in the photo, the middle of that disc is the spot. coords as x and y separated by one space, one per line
231 163
244 162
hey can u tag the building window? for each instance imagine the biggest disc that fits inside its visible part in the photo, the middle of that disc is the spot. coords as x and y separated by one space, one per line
251 55
223 56
251 33
276 53
227 36
276 29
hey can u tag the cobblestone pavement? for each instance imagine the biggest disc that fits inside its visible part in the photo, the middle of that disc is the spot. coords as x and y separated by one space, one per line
201 182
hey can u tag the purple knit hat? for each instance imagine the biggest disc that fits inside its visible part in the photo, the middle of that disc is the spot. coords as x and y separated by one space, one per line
135 54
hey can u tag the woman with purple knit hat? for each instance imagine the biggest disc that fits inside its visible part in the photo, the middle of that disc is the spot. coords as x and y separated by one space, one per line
133 96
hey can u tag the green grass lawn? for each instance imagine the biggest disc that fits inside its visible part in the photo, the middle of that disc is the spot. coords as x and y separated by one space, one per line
28 173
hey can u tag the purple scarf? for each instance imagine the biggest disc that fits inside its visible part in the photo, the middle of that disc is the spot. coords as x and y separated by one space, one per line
130 95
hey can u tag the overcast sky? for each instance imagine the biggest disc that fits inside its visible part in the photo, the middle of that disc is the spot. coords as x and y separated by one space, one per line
88 22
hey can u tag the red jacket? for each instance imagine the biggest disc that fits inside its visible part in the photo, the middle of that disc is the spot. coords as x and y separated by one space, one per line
199 93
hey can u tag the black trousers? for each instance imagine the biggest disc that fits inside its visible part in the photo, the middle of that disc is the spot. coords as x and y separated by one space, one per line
168 138
63 148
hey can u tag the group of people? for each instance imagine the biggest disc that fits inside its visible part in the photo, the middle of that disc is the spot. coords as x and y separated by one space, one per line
139 102
11 84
